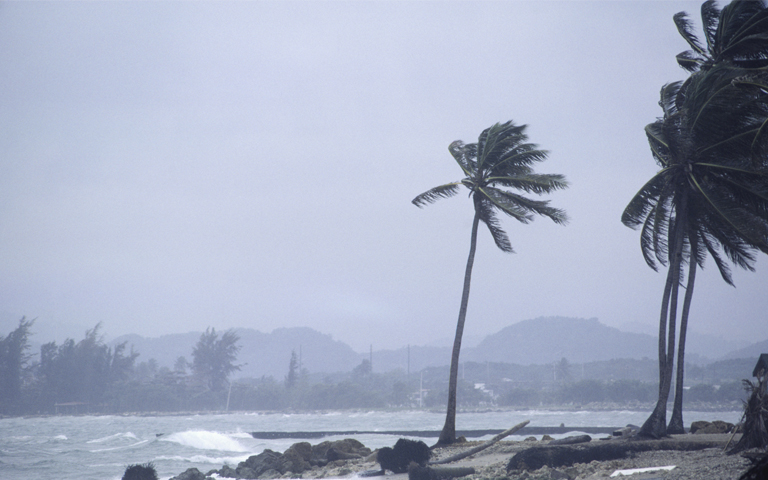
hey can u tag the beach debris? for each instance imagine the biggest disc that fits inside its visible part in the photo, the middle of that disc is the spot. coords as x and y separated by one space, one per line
566 455
755 428
572 440
420 472
632 471
144 471
405 452
758 470
629 430
482 447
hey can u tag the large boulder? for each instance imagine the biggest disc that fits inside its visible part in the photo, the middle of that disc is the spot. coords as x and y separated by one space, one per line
256 465
405 452
191 474
346 449
296 458
718 426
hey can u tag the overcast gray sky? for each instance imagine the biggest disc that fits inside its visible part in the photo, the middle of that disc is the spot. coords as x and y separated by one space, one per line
168 166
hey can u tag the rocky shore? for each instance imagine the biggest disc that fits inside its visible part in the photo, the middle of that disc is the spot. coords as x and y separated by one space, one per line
694 456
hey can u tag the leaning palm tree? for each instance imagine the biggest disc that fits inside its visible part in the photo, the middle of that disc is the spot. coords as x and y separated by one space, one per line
500 161
709 198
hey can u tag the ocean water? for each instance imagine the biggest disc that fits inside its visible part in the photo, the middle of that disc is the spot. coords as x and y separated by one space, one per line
100 447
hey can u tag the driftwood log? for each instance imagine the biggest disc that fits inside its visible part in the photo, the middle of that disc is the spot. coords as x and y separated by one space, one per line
562 456
417 472
482 447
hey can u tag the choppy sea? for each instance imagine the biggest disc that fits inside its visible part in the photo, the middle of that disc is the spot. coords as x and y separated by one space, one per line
100 447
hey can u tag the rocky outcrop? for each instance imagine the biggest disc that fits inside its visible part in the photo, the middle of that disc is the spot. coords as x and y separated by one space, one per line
404 453
192 474
718 426
298 458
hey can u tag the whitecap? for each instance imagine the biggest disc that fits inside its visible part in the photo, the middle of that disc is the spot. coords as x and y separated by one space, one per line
60 437
120 448
203 459
111 437
205 440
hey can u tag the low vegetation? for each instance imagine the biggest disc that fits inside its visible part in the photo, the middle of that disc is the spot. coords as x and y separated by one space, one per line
88 376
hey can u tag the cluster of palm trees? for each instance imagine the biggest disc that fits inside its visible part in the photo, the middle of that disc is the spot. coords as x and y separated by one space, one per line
710 197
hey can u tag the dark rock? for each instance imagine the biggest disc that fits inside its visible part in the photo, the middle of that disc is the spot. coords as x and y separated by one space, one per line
140 472
404 452
271 473
191 474
572 440
258 464
296 458
718 426
342 449
227 472
698 425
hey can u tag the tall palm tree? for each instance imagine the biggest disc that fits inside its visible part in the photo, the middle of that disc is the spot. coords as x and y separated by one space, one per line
499 162
709 198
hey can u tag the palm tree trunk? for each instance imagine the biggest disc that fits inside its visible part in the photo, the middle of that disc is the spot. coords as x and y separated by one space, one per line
656 424
676 424
448 434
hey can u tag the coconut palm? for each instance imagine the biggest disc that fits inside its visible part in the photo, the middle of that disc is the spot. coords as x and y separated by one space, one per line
736 35
501 161
709 198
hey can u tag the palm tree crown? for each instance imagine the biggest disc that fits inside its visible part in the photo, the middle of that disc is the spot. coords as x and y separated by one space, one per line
707 145
501 160
735 35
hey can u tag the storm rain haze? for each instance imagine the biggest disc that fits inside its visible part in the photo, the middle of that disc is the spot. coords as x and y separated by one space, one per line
170 166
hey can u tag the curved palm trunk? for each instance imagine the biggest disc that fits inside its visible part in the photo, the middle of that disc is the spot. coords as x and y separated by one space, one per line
676 424
656 424
448 434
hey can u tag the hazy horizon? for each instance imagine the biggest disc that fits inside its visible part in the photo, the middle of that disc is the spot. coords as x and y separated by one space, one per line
169 166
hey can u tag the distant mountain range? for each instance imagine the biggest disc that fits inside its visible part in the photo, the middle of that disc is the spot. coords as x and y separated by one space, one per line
543 340
260 354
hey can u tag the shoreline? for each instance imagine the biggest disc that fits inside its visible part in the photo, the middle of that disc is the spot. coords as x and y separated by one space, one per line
596 407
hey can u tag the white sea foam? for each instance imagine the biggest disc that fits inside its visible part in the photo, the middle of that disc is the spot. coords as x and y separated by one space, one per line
203 459
60 437
112 437
205 440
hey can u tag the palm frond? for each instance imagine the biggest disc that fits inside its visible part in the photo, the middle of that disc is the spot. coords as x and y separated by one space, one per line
538 183
647 237
485 210
434 194
503 199
464 155
645 200
711 23
495 141
498 200
685 28
690 60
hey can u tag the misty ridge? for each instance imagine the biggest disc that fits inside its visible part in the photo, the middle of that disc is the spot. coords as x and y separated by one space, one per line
548 361
539 341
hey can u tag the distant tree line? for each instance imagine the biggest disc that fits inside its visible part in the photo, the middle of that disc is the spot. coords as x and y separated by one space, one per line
88 376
